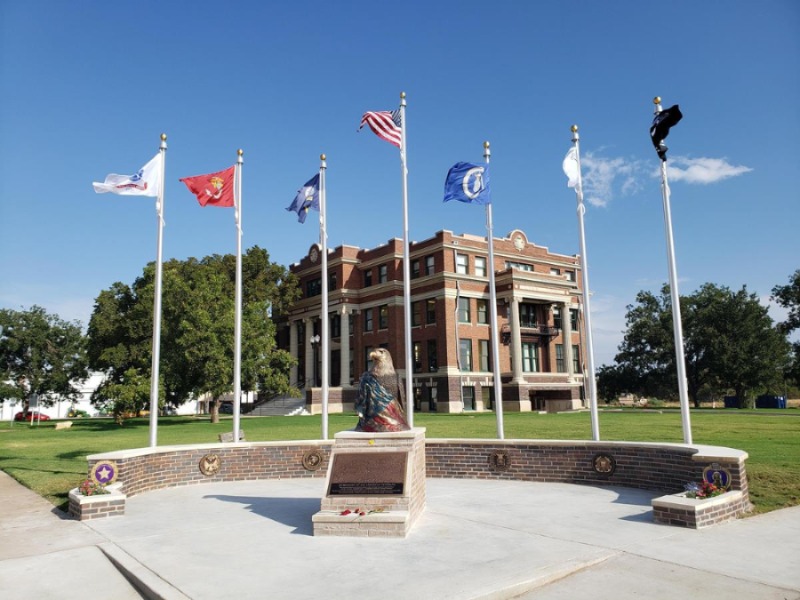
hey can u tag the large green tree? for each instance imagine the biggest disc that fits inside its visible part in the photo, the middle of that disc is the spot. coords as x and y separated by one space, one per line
730 345
197 328
788 296
40 354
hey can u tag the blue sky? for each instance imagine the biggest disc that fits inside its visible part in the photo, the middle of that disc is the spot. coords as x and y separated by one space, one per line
90 86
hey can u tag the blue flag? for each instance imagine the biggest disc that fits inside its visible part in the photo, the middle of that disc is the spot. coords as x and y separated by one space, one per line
467 182
307 197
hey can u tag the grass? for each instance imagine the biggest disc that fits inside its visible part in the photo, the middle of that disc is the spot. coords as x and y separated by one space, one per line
52 462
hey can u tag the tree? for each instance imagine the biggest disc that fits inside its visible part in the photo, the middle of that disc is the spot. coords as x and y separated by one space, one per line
197 327
730 343
41 355
788 296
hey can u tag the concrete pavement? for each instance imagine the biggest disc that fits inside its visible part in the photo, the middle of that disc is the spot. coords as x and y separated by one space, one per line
477 539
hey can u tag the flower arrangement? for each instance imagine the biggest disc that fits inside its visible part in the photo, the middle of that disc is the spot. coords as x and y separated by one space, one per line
360 512
702 491
91 488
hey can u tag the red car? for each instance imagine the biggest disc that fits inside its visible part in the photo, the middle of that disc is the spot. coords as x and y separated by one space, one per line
32 416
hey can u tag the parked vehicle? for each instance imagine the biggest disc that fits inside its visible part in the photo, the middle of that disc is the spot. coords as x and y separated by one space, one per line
32 416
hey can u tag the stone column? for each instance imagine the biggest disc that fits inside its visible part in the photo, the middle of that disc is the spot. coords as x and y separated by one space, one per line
309 374
516 343
293 350
566 337
344 367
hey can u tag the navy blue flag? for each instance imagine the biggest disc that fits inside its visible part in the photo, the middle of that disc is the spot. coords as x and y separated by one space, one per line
307 197
659 130
467 182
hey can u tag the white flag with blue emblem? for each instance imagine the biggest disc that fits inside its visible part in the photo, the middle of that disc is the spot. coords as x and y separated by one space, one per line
467 182
146 181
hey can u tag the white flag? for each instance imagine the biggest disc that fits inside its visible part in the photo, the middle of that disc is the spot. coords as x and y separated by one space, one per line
146 182
570 166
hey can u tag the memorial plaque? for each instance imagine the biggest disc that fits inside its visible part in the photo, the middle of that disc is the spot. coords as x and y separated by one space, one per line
368 474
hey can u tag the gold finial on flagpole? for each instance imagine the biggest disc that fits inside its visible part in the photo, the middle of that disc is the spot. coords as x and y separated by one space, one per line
402 95
240 152
574 128
657 100
322 157
486 145
163 137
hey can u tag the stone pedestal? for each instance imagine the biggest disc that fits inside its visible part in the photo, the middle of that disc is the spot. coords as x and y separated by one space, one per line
375 485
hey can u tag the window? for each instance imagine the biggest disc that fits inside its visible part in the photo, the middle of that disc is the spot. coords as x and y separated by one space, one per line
367 359
560 366
368 278
573 318
414 269
488 397
555 271
367 319
313 288
416 315
519 266
383 317
463 311
432 361
468 395
558 322
527 315
430 265
480 266
576 359
417 350
483 355
332 281
465 354
430 311
570 275
383 274
530 357
336 326
483 312
462 264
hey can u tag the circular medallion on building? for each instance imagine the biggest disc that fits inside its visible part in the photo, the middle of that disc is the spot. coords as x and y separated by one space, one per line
210 465
313 254
604 464
499 460
312 460
716 475
104 472
519 243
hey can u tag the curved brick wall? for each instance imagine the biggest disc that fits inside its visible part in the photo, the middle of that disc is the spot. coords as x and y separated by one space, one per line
659 467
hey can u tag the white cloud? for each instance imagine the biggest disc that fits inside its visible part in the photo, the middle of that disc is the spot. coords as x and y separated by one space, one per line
601 176
702 170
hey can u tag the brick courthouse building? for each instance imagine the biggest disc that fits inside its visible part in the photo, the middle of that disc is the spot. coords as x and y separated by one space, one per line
539 317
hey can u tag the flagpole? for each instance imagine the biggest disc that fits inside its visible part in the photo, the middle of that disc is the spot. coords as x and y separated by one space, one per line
156 354
498 382
590 381
237 335
676 301
323 317
406 267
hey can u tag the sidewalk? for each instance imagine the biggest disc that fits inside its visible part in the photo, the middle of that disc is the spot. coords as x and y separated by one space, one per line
477 539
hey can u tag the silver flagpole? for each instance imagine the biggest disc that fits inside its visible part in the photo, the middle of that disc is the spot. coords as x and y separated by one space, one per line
156 354
323 317
237 335
676 301
406 267
498 383
590 380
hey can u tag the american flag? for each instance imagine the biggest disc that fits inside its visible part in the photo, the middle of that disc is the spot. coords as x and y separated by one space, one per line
385 124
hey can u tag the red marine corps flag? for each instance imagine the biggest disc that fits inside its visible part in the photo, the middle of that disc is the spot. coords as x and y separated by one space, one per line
214 189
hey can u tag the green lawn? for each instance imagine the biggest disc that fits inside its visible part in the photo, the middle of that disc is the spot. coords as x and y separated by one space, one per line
52 462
